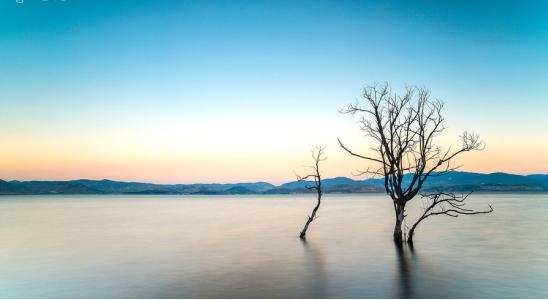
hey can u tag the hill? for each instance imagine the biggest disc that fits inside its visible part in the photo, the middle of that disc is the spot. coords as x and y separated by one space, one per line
452 181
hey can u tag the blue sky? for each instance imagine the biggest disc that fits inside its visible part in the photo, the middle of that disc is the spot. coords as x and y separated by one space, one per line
160 90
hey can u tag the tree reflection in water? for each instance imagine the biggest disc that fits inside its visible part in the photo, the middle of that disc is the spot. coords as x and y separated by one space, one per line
315 270
405 257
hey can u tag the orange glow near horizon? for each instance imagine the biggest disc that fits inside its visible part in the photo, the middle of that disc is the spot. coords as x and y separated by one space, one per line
252 149
48 161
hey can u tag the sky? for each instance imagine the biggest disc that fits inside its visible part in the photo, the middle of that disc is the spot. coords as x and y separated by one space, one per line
238 91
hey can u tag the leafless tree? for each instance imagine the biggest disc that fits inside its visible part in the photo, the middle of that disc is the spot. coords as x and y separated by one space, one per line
448 204
317 156
403 128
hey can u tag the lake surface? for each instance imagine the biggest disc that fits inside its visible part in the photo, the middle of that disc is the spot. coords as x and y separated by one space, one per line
247 246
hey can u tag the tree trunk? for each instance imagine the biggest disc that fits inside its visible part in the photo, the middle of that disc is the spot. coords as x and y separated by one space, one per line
410 235
398 231
303 232
311 217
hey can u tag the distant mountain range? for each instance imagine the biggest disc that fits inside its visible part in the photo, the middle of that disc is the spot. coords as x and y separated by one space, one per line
452 181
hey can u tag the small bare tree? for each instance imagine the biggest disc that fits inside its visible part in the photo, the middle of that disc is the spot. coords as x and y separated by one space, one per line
317 156
403 128
448 204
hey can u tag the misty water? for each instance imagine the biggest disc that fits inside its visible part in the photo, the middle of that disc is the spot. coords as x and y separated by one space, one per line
247 246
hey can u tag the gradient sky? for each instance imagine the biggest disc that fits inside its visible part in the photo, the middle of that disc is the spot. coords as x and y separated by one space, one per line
226 91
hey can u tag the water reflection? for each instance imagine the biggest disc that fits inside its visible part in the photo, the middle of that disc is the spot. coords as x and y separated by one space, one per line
405 255
316 269
247 247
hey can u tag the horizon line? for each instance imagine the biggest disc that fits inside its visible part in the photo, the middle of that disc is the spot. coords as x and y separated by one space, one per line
242 182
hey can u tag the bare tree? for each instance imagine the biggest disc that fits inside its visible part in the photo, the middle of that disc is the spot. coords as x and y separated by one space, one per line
448 204
403 128
317 156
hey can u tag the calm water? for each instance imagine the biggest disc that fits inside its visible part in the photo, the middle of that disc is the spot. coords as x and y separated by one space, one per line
233 246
